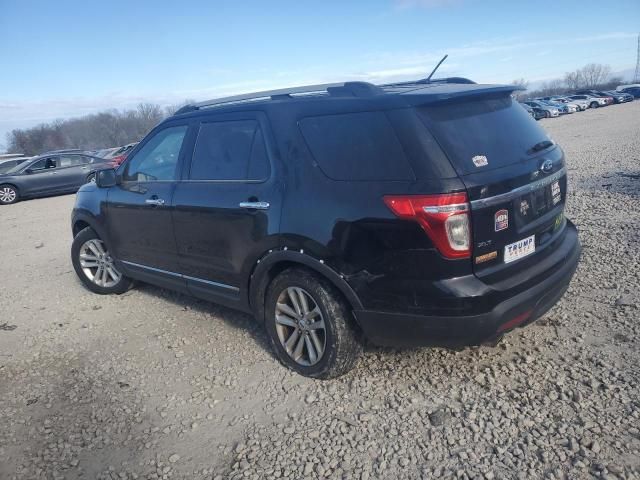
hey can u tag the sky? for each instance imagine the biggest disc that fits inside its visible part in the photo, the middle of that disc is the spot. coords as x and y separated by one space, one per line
68 58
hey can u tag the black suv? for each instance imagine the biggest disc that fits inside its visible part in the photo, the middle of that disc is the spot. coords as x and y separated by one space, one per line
425 213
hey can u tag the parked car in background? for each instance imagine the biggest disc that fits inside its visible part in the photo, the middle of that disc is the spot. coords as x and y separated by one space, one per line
536 113
6 165
118 155
619 97
105 152
563 107
581 105
620 88
594 102
10 156
635 91
596 94
549 111
452 231
48 174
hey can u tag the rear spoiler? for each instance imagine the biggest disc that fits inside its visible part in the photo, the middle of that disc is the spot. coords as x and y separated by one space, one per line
426 95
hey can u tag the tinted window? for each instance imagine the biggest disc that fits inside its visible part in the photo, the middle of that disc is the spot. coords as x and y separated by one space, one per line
356 146
70 160
230 151
492 127
158 158
44 163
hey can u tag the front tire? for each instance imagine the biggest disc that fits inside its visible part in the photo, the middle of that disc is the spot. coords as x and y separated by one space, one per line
547 114
8 194
310 325
94 264
594 105
91 178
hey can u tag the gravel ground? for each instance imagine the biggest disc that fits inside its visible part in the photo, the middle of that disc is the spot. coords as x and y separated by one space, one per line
151 384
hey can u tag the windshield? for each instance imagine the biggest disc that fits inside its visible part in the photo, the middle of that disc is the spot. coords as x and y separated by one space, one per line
495 129
17 168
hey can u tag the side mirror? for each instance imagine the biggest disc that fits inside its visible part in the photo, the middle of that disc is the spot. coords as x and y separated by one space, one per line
106 178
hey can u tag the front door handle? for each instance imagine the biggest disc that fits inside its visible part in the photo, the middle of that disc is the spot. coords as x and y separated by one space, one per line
254 205
154 201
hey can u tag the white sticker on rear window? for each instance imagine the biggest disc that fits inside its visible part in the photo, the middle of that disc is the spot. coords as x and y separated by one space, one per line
480 161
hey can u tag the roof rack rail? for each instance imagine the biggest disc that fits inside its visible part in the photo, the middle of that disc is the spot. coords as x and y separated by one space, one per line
357 89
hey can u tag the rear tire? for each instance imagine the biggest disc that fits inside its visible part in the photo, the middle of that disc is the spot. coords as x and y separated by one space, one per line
310 325
91 178
8 194
94 265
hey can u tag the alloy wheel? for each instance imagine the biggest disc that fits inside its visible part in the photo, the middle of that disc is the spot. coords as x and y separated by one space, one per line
300 326
7 194
97 264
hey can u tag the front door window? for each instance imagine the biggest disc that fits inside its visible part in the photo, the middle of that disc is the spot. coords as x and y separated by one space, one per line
157 160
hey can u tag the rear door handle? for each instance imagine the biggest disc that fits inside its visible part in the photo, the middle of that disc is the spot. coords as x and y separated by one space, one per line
254 205
154 201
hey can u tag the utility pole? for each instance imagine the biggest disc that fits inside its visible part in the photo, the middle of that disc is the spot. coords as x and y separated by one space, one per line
636 78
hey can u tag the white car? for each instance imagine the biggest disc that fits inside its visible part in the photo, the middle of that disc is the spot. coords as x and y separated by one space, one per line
594 102
580 105
549 110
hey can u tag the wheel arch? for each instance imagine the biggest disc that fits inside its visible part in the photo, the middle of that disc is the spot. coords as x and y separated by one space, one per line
276 261
82 220
10 184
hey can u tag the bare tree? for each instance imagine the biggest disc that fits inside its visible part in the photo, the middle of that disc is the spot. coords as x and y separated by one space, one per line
111 128
595 74
171 109
589 76
523 84
552 87
573 80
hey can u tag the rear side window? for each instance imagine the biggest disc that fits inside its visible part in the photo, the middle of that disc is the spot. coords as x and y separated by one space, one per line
356 146
233 150
71 160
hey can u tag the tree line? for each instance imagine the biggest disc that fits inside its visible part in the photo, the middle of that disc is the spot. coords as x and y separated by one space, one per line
594 76
113 128
106 129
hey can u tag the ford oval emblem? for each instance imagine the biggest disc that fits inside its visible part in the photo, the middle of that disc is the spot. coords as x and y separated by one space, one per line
546 166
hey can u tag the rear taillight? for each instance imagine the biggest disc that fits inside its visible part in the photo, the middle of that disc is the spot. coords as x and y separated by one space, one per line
445 218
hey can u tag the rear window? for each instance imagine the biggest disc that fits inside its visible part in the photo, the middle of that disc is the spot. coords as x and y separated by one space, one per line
356 146
495 128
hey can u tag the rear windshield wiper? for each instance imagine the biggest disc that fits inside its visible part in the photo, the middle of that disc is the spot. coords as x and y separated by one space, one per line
540 146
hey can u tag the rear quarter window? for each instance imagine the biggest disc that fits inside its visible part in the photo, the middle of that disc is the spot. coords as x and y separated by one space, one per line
359 146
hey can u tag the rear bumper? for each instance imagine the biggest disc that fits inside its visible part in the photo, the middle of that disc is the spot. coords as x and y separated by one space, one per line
408 330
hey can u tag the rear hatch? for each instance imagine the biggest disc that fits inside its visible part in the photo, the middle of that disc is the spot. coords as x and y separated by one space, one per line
515 179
